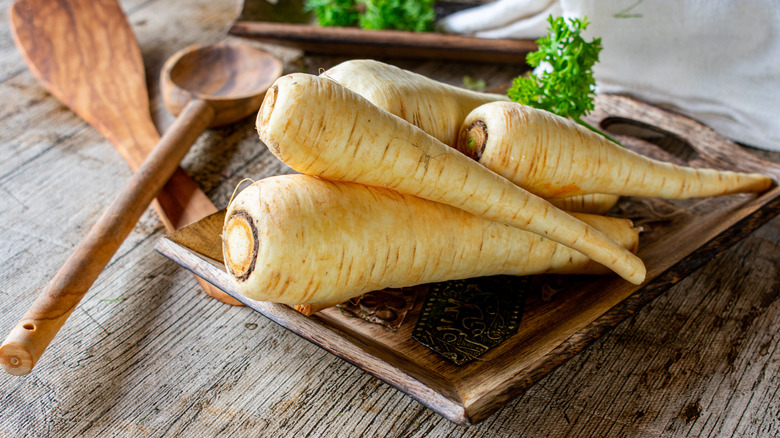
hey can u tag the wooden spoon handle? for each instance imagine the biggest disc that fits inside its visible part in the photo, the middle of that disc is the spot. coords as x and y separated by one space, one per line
181 202
85 53
30 337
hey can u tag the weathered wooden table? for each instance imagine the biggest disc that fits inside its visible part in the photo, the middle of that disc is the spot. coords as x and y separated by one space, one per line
147 353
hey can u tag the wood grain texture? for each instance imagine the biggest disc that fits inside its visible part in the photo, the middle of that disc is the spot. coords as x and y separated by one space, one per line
27 341
212 85
551 331
148 354
85 53
231 77
387 43
287 23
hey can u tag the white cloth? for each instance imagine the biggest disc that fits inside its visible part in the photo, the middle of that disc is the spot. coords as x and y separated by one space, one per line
718 61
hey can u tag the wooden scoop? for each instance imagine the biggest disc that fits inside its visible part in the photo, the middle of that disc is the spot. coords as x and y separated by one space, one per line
220 84
85 53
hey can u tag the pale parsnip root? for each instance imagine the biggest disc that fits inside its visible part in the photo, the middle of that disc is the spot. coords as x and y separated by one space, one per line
318 127
555 157
310 309
593 203
299 239
435 107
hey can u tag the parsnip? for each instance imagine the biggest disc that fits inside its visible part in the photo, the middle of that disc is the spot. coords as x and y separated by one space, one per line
299 239
555 157
593 203
318 127
435 107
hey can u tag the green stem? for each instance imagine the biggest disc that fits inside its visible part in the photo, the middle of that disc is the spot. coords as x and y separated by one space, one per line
596 130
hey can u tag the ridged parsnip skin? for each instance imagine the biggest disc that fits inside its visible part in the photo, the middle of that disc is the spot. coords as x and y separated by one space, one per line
555 157
317 127
435 107
593 203
327 241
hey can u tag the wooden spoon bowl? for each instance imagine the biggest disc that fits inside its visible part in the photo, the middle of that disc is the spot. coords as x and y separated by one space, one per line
85 54
232 78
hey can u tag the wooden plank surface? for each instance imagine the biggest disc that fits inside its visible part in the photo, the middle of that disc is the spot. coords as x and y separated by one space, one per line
290 25
369 43
148 354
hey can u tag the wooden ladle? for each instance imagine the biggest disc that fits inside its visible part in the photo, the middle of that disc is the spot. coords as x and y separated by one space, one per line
213 85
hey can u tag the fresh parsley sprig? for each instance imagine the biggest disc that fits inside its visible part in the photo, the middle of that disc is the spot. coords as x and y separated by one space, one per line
333 12
564 83
412 15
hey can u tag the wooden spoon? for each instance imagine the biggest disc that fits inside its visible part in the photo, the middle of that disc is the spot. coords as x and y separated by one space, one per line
85 53
222 83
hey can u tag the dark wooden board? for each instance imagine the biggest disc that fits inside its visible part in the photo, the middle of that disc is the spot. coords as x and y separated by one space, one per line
286 24
679 237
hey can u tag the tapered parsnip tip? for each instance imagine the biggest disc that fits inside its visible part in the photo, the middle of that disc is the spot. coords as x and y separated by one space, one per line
239 244
762 182
640 272
628 265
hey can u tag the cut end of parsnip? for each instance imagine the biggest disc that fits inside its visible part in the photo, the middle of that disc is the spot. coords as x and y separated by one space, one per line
473 140
239 245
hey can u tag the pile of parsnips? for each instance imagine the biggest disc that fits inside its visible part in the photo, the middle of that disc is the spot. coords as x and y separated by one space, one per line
405 181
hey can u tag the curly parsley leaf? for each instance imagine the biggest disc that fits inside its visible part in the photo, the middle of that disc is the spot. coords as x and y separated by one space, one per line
564 83
333 12
411 15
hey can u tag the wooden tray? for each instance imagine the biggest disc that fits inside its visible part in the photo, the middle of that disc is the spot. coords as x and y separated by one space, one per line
285 23
679 237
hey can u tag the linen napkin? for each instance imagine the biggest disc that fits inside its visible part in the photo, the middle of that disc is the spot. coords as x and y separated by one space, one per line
717 61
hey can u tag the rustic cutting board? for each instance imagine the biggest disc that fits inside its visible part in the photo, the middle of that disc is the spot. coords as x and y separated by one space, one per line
678 237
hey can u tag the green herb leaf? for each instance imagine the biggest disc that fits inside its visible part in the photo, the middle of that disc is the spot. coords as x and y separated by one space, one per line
412 15
333 12
565 85
474 84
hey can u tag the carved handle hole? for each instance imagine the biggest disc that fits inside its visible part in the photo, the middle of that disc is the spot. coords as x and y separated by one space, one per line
668 141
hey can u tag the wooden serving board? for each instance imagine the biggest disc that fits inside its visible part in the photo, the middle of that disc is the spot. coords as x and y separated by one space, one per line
678 238
286 23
